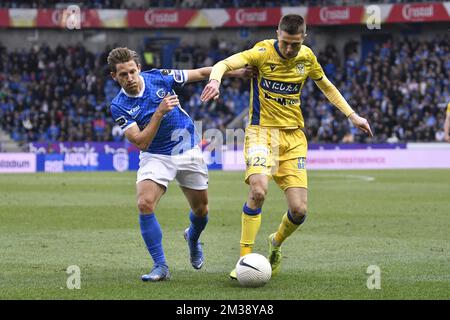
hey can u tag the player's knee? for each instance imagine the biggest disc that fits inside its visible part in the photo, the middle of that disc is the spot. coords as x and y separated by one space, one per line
258 189
259 195
146 205
298 212
201 210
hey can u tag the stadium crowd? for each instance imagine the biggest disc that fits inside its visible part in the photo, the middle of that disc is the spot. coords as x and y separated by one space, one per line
62 93
402 87
143 4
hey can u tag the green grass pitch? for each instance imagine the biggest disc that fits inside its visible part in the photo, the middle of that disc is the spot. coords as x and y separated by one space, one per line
398 220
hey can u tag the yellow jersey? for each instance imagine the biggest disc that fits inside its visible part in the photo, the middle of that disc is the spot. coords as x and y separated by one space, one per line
275 93
448 108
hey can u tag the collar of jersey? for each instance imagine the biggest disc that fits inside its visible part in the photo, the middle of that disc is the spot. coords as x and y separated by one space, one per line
277 49
140 94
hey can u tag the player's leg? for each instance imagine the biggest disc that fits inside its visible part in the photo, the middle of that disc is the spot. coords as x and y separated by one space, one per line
198 216
296 215
292 219
251 212
192 176
292 178
259 162
148 195
154 174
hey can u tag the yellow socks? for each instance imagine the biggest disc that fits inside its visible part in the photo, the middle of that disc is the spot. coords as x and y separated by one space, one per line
251 221
287 227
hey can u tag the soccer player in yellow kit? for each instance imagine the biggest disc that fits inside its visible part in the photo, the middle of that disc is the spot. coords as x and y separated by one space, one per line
275 144
447 124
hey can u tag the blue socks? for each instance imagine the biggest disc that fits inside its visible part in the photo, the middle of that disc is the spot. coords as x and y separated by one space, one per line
152 235
198 224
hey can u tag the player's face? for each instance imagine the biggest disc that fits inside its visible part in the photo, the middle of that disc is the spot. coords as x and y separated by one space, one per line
127 75
290 44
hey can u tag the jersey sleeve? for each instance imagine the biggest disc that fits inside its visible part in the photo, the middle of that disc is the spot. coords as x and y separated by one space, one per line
253 57
315 72
174 78
448 108
122 118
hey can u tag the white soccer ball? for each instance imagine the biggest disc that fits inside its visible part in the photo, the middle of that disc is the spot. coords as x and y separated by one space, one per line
253 270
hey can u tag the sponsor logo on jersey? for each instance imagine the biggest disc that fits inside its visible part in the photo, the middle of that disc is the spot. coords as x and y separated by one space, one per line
281 100
280 87
133 112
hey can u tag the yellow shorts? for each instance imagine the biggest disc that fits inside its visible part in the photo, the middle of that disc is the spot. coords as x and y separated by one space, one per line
277 153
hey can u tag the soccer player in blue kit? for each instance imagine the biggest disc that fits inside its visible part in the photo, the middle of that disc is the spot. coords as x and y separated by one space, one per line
149 113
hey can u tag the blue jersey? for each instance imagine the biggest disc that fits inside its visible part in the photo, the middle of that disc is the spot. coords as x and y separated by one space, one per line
176 132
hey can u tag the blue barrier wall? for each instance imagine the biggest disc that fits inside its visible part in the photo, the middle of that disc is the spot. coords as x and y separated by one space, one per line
92 161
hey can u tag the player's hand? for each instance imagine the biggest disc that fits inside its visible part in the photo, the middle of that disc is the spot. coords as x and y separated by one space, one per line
211 91
167 104
361 123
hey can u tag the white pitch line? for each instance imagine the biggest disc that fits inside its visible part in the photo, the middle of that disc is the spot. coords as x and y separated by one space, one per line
360 177
351 176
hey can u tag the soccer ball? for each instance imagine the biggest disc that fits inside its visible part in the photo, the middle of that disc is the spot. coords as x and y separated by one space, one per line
253 270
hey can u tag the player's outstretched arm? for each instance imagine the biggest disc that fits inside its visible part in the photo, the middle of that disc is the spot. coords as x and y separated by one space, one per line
336 98
235 62
142 139
200 74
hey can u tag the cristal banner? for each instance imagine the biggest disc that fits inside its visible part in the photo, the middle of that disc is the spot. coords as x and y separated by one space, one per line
75 17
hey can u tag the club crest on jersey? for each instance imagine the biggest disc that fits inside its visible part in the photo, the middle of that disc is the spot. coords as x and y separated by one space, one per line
161 93
301 68
272 67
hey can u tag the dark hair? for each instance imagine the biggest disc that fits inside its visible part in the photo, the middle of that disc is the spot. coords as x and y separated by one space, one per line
292 24
121 55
